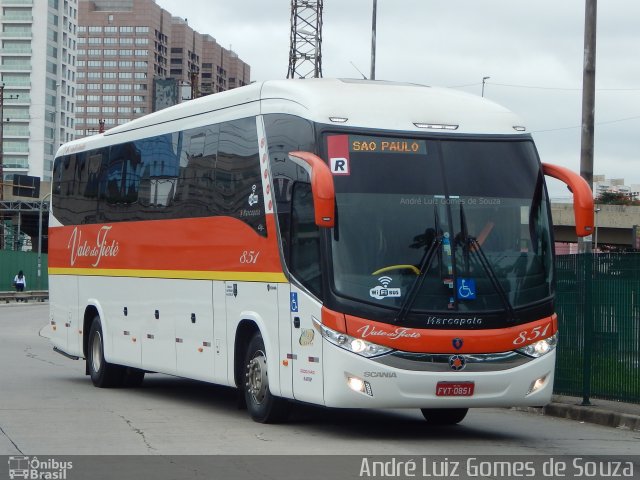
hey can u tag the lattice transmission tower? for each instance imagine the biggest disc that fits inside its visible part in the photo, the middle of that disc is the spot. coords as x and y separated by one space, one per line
305 51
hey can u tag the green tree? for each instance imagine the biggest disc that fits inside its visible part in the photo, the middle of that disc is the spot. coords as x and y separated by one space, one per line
615 198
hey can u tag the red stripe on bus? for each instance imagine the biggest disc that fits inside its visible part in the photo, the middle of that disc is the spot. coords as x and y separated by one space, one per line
442 341
191 244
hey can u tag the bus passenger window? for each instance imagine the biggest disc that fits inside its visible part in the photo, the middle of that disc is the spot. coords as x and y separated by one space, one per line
238 183
305 239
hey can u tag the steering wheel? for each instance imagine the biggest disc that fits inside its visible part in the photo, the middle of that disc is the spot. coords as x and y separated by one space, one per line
390 268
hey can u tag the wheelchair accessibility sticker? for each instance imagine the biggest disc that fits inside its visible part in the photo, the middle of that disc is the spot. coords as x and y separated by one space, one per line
466 288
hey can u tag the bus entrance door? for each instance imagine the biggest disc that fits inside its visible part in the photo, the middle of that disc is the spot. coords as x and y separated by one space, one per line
306 347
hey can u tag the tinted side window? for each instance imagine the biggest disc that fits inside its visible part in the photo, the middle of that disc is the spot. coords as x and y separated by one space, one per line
238 185
205 171
198 149
285 134
305 239
158 173
61 186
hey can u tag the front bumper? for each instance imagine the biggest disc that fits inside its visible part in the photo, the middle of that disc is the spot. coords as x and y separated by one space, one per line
507 385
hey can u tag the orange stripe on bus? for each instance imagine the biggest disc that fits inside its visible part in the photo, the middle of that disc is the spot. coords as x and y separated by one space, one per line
442 341
209 244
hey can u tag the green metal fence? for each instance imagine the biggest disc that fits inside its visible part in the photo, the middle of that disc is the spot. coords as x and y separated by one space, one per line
598 309
11 262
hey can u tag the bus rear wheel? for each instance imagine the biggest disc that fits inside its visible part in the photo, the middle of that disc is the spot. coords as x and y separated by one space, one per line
262 405
103 374
444 416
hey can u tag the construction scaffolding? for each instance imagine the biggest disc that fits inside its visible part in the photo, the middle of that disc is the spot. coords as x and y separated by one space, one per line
305 51
23 225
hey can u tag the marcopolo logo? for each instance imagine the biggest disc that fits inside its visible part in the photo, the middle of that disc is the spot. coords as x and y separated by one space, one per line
36 469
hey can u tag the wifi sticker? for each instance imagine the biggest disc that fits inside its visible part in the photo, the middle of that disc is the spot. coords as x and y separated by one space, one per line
383 290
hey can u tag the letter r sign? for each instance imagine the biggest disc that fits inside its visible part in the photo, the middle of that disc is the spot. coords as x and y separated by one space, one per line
340 166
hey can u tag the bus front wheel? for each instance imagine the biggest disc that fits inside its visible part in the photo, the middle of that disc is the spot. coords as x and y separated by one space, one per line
262 405
444 416
103 374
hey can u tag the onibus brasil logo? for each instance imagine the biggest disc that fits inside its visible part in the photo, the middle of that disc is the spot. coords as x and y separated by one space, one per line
383 290
35 469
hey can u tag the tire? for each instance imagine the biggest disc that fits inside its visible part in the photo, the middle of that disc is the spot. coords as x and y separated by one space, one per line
103 374
444 416
261 404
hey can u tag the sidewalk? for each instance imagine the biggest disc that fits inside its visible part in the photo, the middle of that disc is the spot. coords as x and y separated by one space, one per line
600 412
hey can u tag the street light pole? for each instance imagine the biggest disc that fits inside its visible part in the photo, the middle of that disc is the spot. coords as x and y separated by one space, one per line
2 159
39 283
11 97
484 79
595 247
1 143
372 76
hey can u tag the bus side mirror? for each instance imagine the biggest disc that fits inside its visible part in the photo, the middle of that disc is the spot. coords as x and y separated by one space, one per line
582 196
324 197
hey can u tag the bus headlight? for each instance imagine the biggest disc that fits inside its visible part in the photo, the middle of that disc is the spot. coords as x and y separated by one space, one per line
349 343
540 348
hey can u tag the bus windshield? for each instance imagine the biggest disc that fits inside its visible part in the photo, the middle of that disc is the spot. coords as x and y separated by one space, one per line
462 225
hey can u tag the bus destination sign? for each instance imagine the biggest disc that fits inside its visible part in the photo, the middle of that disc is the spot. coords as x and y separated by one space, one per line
387 145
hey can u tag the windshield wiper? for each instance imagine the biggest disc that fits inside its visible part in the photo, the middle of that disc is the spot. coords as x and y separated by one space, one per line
471 244
425 265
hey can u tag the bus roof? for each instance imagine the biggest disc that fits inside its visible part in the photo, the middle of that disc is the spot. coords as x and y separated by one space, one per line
347 102
390 106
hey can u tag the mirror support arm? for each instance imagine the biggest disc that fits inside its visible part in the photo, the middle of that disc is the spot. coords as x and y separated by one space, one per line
324 197
582 196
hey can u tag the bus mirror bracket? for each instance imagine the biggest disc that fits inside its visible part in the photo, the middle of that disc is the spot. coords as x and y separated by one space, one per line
582 196
324 197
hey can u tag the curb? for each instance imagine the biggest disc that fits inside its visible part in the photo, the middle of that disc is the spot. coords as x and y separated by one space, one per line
587 414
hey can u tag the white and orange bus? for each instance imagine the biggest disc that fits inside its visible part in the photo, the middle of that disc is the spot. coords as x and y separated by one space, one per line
338 242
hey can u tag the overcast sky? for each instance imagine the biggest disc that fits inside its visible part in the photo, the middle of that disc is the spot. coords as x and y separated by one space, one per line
532 50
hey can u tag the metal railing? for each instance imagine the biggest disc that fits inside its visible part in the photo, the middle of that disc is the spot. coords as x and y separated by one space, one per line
598 309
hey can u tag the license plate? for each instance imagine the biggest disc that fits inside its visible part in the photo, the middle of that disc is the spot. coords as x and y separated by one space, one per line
454 389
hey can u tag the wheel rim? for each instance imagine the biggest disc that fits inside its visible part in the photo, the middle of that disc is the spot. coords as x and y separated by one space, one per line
96 352
257 380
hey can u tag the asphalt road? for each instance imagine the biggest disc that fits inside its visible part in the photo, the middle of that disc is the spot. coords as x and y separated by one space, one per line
48 406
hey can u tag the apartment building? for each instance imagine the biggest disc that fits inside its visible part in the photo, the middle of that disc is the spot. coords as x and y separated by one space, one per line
602 184
38 75
134 58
